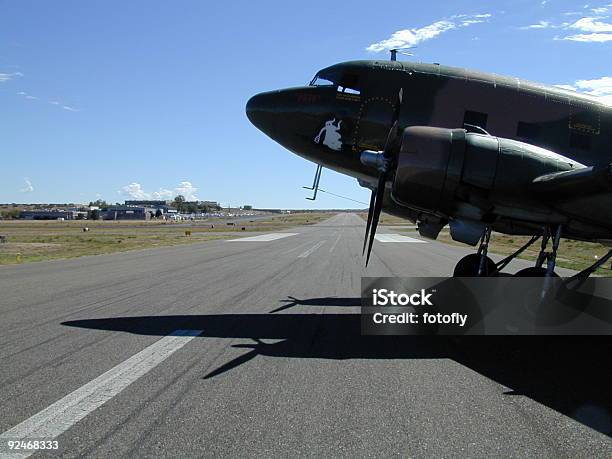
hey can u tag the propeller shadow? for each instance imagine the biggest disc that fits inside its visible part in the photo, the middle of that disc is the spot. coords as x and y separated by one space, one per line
291 301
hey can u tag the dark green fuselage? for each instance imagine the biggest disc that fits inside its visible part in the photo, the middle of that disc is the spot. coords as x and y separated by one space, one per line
358 104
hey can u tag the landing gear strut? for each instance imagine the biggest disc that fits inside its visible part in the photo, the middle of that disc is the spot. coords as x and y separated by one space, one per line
550 257
477 264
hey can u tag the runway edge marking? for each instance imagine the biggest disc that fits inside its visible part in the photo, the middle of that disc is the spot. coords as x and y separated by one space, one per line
263 237
392 237
66 412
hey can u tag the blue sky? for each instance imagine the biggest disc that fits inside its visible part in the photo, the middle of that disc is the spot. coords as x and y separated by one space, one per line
114 99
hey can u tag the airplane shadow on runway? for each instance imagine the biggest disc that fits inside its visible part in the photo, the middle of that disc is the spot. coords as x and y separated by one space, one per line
568 374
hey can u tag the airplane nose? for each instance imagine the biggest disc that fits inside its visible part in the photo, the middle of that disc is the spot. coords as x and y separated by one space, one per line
260 109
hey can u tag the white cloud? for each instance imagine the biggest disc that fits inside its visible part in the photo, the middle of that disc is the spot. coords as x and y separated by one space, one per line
599 87
4 77
539 25
411 37
187 189
69 108
163 194
592 29
591 25
134 190
28 186
569 87
595 30
590 37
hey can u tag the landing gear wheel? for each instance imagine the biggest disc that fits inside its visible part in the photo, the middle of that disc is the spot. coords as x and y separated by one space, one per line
534 272
468 266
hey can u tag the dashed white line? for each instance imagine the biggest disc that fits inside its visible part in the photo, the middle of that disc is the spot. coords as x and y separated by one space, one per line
312 249
66 412
336 241
263 237
297 247
397 238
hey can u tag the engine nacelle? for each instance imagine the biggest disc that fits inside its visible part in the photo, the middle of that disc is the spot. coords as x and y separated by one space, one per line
433 163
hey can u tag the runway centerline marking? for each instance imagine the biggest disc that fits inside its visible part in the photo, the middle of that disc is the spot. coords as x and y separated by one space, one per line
397 238
263 237
66 412
297 247
336 241
311 250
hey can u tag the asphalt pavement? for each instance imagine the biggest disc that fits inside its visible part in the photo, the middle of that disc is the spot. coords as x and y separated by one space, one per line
252 347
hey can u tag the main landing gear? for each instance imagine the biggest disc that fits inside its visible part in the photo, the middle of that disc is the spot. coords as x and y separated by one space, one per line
477 264
480 265
550 257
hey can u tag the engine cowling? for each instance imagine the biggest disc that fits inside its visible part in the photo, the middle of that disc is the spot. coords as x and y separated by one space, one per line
433 163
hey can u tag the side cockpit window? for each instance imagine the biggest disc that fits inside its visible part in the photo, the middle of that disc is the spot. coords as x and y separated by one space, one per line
348 90
346 82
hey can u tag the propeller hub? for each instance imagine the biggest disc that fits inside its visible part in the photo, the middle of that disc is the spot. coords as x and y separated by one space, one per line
374 159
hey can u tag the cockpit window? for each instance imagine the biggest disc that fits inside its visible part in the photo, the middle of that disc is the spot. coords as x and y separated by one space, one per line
320 81
345 82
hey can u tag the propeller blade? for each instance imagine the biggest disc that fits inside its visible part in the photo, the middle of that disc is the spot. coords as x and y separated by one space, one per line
380 191
370 211
377 194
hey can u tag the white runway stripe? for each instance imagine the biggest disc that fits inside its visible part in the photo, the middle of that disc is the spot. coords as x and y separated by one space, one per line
336 241
312 249
263 237
63 414
396 238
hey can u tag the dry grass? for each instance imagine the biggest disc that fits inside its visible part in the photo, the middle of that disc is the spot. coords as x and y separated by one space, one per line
46 240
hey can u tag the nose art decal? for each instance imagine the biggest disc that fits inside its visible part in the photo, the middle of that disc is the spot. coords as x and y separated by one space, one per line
329 135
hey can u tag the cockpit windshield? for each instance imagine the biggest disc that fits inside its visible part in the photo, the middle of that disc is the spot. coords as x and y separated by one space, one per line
345 81
320 81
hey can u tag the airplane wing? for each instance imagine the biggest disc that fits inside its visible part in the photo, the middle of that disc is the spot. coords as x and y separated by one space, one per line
583 193
588 180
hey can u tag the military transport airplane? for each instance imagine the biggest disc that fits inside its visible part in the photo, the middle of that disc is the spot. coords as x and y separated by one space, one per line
448 146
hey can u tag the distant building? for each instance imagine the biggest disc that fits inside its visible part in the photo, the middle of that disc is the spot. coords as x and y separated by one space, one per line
128 213
54 214
146 203
211 204
161 205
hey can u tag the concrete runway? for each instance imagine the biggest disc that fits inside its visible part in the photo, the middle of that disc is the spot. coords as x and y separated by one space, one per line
278 366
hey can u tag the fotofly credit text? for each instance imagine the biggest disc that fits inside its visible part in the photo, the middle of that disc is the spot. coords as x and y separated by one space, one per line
386 297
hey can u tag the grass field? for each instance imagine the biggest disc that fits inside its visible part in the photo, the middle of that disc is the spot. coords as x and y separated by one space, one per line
572 254
29 241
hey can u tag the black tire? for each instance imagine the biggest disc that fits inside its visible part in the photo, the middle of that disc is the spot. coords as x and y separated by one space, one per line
534 272
468 267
